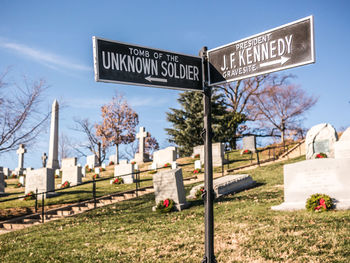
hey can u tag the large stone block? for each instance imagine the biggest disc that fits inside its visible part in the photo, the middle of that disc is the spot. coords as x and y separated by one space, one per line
42 179
227 185
167 155
72 174
325 176
342 147
92 161
169 184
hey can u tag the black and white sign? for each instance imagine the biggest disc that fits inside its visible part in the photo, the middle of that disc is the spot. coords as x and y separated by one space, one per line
118 62
284 47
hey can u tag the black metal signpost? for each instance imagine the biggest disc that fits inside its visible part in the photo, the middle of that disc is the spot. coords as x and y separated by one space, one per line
281 48
284 47
123 63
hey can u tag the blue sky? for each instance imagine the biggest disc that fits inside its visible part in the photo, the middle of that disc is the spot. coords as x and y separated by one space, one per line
52 40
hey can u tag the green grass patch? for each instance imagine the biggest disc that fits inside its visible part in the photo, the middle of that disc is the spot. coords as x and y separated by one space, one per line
246 230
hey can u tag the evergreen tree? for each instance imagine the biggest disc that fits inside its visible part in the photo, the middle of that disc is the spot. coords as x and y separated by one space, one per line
187 122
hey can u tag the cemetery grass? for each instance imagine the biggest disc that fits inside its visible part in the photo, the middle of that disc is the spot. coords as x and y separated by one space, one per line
246 230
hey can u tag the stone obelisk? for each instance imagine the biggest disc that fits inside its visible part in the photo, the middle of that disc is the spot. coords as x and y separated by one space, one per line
53 150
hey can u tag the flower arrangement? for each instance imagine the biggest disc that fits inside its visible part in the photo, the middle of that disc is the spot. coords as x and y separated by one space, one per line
111 163
118 180
196 171
29 196
95 176
165 206
199 192
152 172
167 165
246 152
66 184
196 156
321 155
57 176
18 185
133 162
319 202
13 176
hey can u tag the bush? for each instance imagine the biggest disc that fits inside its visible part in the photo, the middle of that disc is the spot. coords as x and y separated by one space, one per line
319 202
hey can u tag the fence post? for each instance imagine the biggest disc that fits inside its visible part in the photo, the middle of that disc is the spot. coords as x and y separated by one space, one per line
36 200
257 157
228 160
136 184
43 208
94 190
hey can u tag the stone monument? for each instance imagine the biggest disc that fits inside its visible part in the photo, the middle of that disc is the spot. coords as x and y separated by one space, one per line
169 184
141 156
320 139
92 161
21 151
329 176
53 149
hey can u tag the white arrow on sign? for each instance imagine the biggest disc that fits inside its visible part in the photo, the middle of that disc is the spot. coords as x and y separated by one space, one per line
150 79
282 60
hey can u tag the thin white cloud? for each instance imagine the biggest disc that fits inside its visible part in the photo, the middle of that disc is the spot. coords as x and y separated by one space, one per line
48 59
90 103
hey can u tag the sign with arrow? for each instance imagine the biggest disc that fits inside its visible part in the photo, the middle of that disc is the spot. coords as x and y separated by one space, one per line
118 62
284 47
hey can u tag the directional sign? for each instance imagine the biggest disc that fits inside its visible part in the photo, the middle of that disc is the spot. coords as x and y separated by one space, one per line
118 62
284 47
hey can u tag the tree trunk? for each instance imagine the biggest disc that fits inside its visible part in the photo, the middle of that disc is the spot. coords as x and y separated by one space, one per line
116 154
99 153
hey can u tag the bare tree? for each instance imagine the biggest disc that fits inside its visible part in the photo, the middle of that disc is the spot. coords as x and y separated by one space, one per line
21 119
238 100
282 106
93 143
118 125
64 147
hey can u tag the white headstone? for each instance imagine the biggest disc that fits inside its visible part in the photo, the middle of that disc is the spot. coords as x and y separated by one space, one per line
69 162
154 166
169 184
174 165
112 159
167 155
125 171
41 179
92 161
72 174
136 166
123 161
197 164
21 179
218 153
57 172
83 172
320 138
104 166
249 143
97 170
